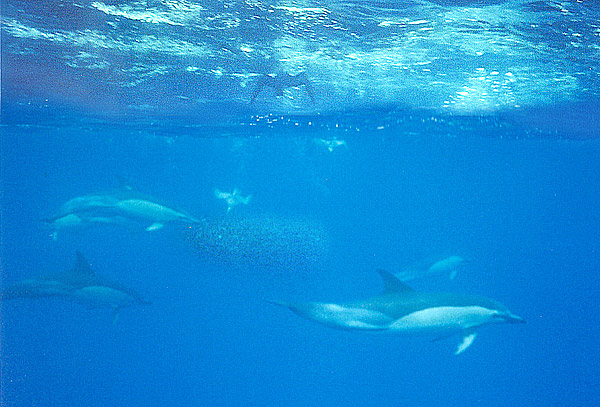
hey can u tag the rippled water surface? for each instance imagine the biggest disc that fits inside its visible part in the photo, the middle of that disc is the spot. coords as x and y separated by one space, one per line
456 56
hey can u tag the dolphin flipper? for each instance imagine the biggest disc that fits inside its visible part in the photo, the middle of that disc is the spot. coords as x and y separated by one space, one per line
116 316
468 338
154 226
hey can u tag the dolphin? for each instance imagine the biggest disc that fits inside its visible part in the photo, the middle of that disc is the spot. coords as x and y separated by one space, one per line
232 198
400 310
80 284
125 206
449 265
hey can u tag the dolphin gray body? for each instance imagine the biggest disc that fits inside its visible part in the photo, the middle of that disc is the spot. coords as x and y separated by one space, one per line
450 265
400 310
80 284
122 207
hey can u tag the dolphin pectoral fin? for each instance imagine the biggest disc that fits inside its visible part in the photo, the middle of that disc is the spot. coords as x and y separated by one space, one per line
154 226
116 316
453 274
468 338
54 236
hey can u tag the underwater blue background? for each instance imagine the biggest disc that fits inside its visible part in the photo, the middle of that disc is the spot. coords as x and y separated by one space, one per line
515 189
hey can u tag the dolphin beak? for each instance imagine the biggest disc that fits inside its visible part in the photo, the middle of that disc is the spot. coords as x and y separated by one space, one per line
514 319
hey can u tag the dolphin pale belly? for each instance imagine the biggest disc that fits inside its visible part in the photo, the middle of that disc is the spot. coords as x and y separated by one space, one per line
400 310
80 284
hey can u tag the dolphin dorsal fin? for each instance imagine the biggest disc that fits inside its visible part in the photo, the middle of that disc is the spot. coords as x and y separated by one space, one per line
83 266
392 284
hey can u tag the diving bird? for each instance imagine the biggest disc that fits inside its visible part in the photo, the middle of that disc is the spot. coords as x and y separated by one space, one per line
449 265
282 81
122 207
232 198
331 144
400 310
80 284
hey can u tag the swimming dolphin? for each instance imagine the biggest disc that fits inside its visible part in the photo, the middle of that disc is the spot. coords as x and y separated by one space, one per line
449 265
282 81
232 198
401 310
80 284
125 206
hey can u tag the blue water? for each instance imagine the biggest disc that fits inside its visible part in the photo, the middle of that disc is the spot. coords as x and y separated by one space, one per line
470 128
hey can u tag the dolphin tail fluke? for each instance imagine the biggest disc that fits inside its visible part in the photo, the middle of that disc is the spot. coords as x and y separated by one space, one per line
467 340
